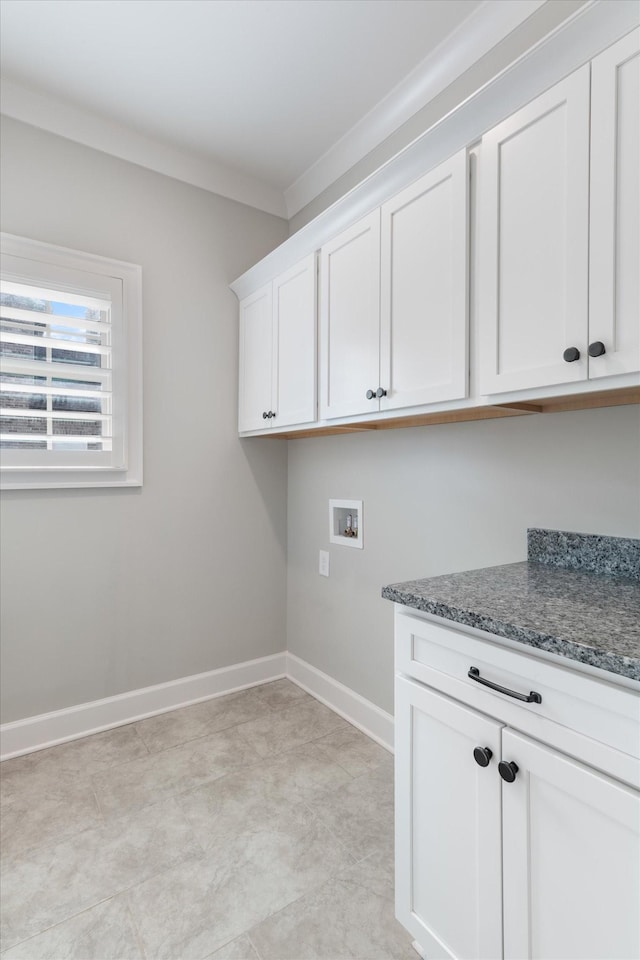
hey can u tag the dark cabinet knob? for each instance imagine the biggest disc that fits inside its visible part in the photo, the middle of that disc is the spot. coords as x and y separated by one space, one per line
597 348
482 756
264 415
507 771
273 414
380 393
571 354
370 395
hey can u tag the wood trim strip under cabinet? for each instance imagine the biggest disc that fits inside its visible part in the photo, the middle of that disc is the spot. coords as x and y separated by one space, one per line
605 398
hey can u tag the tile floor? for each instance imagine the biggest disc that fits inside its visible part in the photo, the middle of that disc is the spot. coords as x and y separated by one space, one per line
258 826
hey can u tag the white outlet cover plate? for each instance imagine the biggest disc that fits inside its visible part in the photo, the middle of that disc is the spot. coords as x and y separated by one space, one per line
323 564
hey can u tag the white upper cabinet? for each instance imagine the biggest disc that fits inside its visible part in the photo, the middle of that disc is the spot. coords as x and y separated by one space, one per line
533 236
394 301
424 289
614 277
256 337
294 345
277 376
552 226
350 320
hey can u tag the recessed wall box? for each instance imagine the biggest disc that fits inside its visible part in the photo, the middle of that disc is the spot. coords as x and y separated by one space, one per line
346 523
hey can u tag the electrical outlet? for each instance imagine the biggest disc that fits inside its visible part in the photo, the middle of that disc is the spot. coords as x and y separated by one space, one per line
323 566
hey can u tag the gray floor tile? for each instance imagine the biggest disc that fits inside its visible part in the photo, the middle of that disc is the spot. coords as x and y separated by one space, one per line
351 917
354 751
359 813
45 771
282 730
104 932
179 726
246 801
208 835
192 910
173 771
282 693
56 882
240 949
27 823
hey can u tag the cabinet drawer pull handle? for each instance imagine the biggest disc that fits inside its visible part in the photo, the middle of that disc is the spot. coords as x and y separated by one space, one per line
597 348
381 392
533 697
571 354
371 395
482 756
507 770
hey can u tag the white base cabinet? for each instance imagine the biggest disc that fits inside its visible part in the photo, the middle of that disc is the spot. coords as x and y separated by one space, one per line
571 858
448 881
506 846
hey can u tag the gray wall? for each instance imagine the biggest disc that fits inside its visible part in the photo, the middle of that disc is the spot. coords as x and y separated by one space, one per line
547 18
105 591
442 498
439 499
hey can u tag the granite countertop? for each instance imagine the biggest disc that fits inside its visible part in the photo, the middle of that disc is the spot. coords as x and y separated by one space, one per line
577 596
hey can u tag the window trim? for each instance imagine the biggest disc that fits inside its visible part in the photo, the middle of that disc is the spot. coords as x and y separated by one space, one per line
129 275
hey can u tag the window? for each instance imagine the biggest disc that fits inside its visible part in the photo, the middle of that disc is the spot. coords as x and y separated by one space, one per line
70 368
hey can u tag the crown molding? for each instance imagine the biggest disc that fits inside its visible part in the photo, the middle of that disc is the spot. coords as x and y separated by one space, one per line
74 123
593 28
490 23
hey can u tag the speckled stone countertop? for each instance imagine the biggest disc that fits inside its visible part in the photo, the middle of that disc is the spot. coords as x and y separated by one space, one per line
562 606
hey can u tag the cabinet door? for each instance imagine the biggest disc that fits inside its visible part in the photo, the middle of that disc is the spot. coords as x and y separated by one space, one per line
424 283
350 320
533 236
614 276
255 360
571 846
448 847
294 345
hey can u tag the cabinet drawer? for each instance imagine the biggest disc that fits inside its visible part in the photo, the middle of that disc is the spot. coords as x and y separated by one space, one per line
569 701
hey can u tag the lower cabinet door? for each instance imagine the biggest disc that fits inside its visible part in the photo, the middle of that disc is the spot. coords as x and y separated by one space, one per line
571 843
448 835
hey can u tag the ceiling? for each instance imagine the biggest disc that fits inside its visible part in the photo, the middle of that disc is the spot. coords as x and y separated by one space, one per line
264 88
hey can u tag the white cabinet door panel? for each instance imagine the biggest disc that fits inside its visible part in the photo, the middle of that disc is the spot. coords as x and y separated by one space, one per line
294 345
533 236
614 317
255 360
424 277
350 320
448 847
571 853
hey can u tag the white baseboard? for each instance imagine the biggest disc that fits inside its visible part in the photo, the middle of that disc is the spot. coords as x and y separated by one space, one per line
48 729
362 713
72 723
